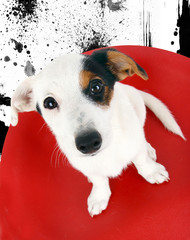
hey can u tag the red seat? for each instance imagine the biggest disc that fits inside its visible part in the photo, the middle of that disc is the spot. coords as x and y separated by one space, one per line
43 198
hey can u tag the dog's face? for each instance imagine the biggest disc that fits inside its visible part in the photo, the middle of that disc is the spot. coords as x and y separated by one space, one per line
74 96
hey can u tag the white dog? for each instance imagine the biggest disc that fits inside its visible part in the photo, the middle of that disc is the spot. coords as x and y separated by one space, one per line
97 121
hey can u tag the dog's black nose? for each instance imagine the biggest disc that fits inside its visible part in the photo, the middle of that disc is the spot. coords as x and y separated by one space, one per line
88 142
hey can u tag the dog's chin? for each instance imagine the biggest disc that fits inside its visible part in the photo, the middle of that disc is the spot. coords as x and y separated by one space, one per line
90 154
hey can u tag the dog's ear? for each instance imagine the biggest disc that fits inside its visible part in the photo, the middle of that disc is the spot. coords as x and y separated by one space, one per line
22 99
123 66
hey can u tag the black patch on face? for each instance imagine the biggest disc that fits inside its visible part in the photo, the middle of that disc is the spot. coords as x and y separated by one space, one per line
99 98
97 64
38 109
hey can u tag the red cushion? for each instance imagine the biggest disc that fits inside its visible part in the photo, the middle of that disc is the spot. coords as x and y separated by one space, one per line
43 197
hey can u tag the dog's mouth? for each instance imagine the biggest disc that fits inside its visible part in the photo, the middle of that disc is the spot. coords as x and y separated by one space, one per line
92 154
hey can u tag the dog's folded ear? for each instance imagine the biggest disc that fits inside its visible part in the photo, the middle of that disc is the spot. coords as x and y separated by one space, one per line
22 99
123 66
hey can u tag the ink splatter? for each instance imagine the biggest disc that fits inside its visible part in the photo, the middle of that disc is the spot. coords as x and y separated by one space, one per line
93 41
24 8
116 6
18 45
102 4
5 100
7 59
183 23
29 69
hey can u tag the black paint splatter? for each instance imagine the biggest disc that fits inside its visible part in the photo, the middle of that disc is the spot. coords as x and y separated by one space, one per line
29 69
3 131
116 6
97 40
24 8
5 100
18 45
183 23
102 4
7 59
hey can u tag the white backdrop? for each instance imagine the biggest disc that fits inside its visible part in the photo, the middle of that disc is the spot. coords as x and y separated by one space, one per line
34 32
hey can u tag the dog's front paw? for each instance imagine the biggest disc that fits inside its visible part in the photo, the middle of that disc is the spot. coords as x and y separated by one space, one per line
95 207
97 202
155 173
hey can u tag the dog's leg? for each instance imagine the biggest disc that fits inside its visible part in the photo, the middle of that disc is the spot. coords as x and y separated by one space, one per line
152 171
99 196
151 152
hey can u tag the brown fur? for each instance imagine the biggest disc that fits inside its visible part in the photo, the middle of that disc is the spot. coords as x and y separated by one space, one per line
123 66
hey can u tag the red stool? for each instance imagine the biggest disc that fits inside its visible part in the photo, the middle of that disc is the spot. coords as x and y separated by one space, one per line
42 198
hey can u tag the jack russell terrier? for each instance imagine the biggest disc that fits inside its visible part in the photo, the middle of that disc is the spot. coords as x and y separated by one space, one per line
97 121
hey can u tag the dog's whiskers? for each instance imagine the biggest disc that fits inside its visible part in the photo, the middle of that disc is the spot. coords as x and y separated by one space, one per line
53 153
57 156
42 127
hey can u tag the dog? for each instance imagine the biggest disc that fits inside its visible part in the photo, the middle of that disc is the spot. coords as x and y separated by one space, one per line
97 121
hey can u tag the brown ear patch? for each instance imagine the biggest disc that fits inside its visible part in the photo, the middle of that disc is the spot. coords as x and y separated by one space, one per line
104 99
123 66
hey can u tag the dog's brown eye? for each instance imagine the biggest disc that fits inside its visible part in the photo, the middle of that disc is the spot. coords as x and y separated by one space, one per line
96 87
50 103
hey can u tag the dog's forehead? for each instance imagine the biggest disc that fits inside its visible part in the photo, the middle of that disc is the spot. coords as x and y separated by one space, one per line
63 68
61 76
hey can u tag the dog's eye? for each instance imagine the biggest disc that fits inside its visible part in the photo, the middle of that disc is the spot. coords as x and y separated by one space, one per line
96 87
50 103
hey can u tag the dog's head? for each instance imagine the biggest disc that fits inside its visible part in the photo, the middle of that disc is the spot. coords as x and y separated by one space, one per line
74 95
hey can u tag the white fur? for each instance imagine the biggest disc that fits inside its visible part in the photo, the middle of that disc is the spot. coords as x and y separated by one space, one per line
120 125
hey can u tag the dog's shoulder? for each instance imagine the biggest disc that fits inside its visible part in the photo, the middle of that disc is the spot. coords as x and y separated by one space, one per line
130 99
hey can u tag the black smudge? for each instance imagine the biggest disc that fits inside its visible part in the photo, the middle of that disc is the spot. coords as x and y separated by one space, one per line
116 6
18 45
29 69
183 23
5 100
3 131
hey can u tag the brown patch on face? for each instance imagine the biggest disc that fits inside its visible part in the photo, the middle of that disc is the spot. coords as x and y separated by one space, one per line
85 79
123 66
108 94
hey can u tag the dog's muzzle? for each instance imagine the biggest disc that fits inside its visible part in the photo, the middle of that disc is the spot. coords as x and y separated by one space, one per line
88 142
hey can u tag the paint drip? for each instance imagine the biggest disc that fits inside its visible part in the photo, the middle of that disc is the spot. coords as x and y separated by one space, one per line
183 23
3 131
